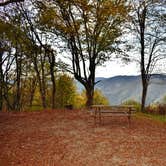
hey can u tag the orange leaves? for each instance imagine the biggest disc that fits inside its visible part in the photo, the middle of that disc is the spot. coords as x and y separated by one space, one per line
111 9
93 24
69 15
70 138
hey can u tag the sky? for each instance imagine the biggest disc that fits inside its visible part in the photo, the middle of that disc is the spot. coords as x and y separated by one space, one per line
115 68
111 68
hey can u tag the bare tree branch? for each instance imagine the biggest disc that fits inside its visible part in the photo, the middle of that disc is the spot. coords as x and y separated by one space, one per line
4 3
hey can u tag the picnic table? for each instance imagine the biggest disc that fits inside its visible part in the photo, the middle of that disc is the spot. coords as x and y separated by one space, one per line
100 111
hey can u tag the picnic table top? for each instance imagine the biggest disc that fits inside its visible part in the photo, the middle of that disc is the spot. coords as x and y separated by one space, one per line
112 106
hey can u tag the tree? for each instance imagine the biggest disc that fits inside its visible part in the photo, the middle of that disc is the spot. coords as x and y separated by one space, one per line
15 58
150 32
11 58
91 30
45 43
51 58
30 49
66 91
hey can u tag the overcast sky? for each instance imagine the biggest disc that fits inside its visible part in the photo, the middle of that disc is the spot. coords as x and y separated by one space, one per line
112 68
115 68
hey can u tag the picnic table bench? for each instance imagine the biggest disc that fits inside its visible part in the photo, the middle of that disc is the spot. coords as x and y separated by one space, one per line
100 111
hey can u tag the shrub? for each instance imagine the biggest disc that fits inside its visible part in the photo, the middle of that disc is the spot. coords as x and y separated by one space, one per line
150 109
161 109
164 100
99 98
134 103
80 101
156 109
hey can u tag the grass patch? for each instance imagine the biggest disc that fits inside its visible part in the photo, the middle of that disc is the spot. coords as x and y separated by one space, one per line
159 118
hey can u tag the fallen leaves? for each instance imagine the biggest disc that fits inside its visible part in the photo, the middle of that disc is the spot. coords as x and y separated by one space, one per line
60 138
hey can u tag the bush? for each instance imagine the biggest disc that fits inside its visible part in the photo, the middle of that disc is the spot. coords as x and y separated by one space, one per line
156 109
163 101
134 103
161 109
99 98
80 101
151 109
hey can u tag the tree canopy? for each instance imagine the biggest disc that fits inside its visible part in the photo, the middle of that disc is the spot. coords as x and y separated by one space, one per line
90 29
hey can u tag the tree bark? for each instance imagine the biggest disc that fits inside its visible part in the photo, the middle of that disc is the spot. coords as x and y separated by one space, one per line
51 57
144 94
40 81
142 19
17 99
89 95
53 89
33 85
89 86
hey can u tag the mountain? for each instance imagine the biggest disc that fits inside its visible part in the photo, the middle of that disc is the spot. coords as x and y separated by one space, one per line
121 88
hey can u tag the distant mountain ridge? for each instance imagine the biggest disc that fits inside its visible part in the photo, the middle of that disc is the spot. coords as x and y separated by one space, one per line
121 88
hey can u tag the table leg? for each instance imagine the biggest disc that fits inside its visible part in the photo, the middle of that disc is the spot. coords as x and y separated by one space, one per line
129 116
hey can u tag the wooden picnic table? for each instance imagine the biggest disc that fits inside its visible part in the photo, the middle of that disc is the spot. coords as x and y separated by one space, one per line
100 111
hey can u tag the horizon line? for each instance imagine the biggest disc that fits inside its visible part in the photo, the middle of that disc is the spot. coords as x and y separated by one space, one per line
129 75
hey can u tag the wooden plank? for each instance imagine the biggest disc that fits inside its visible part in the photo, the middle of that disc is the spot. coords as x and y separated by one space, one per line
110 111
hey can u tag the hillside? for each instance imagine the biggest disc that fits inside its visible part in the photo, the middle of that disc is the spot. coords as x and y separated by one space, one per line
121 88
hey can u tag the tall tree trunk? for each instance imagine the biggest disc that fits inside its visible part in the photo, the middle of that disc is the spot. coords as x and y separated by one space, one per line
53 89
91 83
33 85
144 94
89 95
42 90
142 18
51 57
90 88
40 81
43 98
17 99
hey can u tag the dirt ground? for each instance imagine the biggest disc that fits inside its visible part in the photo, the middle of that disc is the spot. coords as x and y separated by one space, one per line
70 138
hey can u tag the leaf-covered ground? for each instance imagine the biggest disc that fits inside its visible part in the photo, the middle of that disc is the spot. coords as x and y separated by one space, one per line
67 138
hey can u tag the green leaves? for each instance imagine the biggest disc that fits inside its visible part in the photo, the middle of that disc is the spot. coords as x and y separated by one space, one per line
16 35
